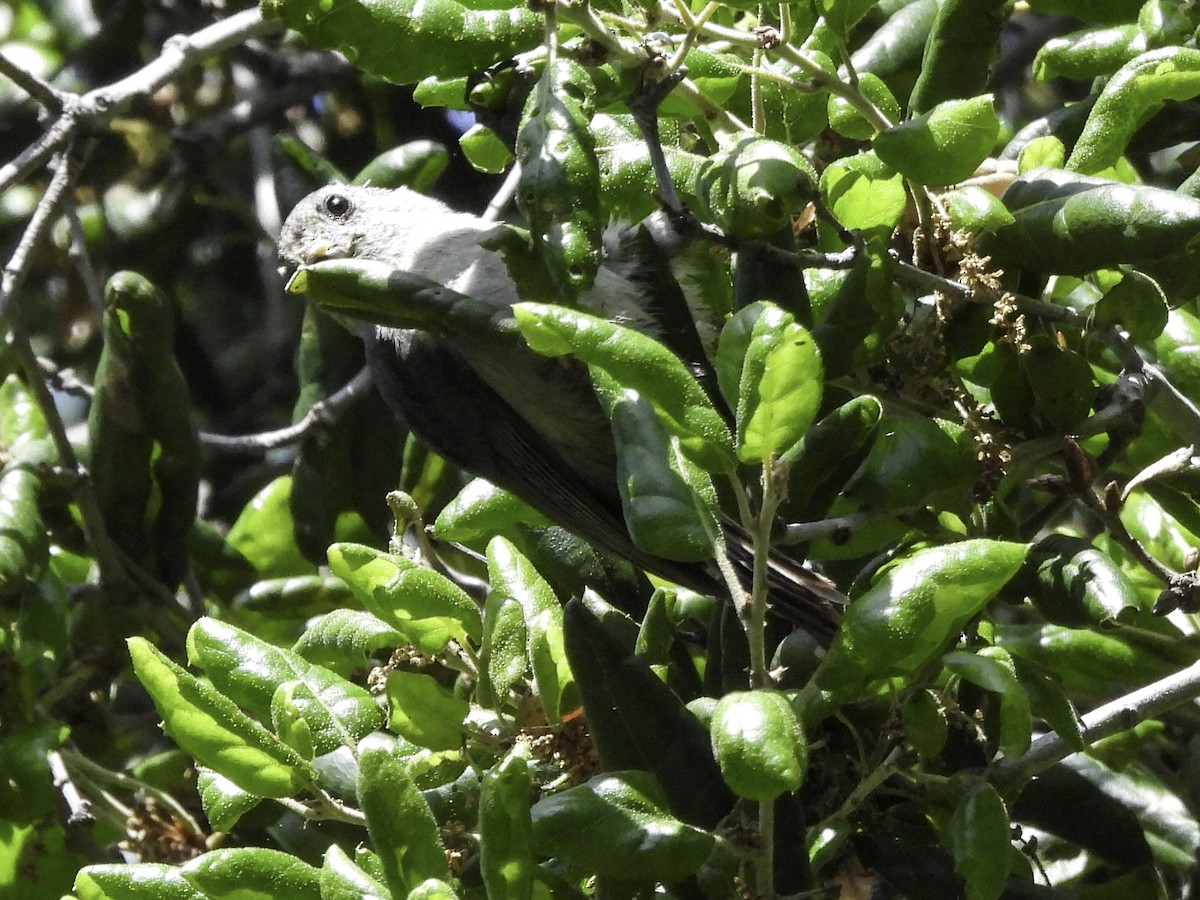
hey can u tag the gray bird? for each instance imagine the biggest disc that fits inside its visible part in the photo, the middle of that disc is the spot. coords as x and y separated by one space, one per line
496 409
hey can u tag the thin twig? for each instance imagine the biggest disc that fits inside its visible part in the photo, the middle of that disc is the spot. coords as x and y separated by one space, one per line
99 106
1104 721
41 91
321 414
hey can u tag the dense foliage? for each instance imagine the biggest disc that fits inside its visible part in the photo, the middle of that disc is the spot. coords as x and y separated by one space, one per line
940 260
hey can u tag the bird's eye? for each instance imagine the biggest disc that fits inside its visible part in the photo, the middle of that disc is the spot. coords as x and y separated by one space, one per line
338 206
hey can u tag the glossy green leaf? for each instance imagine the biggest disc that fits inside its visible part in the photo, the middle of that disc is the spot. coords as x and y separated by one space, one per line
1139 88
424 605
1091 660
669 503
504 655
638 722
139 881
849 122
424 712
209 726
1137 303
403 831
913 459
759 744
973 209
404 40
830 452
915 608
1078 584
635 361
897 45
248 671
963 44
1092 53
992 669
263 533
979 838
617 825
1074 224
864 193
925 723
343 879
145 450
480 510
433 889
224 802
559 187
754 187
506 857
512 575
249 871
414 164
367 290
484 150
343 639
943 146
780 381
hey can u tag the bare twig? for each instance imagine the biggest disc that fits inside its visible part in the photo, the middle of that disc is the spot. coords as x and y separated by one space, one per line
1105 721
320 415
41 91
99 106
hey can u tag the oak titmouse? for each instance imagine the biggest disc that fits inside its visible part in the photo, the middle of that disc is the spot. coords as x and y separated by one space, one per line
527 423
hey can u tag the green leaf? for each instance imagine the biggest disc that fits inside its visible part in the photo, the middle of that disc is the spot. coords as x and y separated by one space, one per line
481 510
759 744
638 362
979 838
617 825
1073 224
973 209
343 639
1130 97
669 503
559 186
424 605
1137 303
781 381
415 164
992 669
1076 583
865 194
209 726
915 608
504 655
407 40
252 871
943 146
139 881
925 723
145 450
506 842
638 722
513 576
224 802
963 44
424 712
754 187
484 150
249 671
343 879
1087 54
849 122
264 535
914 459
403 831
